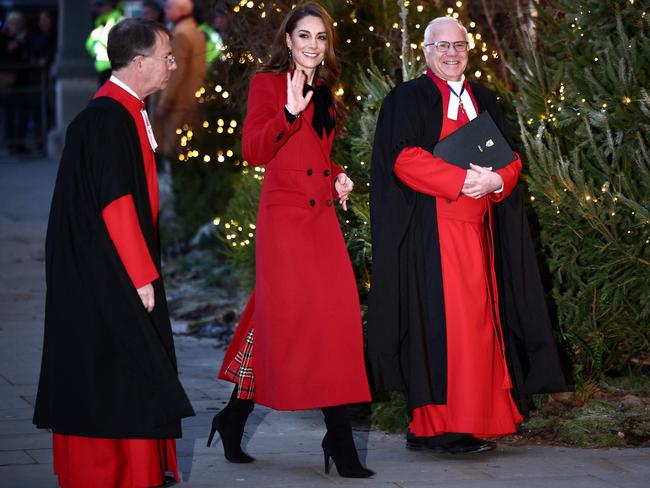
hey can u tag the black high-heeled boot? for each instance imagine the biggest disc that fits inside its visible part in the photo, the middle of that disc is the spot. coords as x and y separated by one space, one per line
338 445
230 422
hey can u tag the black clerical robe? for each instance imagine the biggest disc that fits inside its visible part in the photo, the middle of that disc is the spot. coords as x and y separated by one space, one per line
406 318
109 367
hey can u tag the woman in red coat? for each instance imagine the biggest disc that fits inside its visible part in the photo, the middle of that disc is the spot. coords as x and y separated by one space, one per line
299 342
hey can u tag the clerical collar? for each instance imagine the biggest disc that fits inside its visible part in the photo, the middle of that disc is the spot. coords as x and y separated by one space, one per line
123 86
459 99
143 112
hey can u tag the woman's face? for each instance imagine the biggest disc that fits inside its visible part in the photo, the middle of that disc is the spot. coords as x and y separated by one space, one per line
308 43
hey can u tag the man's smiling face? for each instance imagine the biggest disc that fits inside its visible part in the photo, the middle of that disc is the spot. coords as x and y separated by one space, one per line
450 64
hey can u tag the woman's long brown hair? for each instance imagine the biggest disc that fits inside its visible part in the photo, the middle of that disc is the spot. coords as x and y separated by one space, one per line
280 62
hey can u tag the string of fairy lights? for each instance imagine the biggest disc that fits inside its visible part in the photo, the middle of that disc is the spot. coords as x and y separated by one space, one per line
606 206
242 234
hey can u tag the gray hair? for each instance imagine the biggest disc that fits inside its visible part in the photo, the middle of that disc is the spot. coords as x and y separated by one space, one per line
440 20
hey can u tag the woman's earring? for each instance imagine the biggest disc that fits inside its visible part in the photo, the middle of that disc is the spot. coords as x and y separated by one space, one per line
289 53
322 63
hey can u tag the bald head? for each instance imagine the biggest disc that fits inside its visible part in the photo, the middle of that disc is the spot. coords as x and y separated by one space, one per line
432 29
177 9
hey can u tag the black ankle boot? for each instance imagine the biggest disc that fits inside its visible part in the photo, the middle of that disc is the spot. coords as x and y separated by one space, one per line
230 422
338 444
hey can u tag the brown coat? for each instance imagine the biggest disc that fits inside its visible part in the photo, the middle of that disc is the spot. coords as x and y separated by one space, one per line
178 104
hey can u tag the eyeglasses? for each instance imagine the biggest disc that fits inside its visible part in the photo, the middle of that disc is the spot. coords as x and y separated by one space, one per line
444 46
169 59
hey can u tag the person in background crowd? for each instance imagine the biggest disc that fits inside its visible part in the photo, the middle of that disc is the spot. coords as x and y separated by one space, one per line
42 51
14 80
457 316
109 387
213 41
43 44
221 23
108 14
152 10
299 342
177 105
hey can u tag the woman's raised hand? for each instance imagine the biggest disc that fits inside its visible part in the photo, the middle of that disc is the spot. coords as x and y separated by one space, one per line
296 101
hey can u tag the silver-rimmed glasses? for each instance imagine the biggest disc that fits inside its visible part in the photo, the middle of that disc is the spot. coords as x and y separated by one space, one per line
169 59
444 46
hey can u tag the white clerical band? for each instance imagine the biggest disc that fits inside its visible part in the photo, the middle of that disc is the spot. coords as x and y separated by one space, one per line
147 124
459 96
145 117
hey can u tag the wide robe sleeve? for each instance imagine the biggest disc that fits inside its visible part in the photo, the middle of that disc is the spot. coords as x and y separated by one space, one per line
121 220
429 174
266 127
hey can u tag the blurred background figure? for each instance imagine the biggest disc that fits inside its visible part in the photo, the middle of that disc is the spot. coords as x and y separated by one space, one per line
213 40
42 49
221 22
177 105
13 80
108 14
152 10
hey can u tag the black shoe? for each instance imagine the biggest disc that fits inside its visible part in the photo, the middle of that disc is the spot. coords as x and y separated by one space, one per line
416 443
231 435
230 423
433 443
468 445
344 454
168 481
338 445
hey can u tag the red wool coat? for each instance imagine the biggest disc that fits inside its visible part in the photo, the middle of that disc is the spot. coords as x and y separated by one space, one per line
308 344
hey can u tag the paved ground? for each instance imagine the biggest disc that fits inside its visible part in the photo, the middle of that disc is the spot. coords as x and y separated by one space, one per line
287 445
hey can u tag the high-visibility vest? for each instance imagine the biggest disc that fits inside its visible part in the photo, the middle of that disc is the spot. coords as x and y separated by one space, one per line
213 43
98 38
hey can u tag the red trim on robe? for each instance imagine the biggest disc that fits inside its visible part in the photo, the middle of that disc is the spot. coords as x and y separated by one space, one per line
123 227
134 106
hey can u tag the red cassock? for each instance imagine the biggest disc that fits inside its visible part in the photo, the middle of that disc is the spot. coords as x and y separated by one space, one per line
304 311
81 462
478 393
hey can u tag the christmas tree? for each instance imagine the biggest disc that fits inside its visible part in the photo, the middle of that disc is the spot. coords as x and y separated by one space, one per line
584 113
379 45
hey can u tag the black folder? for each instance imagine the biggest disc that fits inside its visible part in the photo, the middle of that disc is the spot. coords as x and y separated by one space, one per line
479 141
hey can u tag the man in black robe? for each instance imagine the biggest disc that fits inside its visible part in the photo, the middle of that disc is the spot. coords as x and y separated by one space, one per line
109 387
409 345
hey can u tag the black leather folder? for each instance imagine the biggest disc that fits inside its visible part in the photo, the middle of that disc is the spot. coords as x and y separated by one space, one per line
479 141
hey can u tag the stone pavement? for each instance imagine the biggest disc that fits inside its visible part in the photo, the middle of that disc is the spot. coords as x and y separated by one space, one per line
286 444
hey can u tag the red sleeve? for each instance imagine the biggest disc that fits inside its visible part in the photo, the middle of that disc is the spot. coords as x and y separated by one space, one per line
266 128
510 175
123 227
422 171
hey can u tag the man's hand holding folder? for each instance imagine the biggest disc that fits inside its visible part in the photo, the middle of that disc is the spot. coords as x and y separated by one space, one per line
480 148
479 142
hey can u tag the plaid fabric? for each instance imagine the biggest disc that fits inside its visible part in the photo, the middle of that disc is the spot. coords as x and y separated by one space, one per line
240 370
